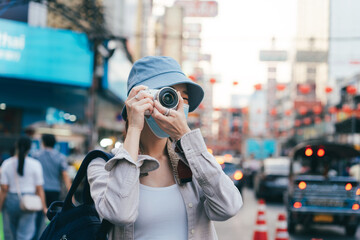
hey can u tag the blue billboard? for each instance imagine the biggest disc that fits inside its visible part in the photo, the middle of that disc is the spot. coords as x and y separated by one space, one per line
44 54
261 148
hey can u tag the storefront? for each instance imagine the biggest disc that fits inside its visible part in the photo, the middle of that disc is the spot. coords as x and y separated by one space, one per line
45 75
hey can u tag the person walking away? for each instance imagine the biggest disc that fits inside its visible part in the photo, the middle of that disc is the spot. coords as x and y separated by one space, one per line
23 174
162 183
55 167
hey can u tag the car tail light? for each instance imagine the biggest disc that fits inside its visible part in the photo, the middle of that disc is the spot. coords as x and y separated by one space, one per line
238 175
355 206
297 205
321 152
348 187
308 152
358 192
302 185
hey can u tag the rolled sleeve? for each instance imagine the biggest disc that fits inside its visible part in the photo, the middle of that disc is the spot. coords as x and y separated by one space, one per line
222 199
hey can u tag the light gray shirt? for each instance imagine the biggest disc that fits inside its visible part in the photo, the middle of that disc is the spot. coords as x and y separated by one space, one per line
210 196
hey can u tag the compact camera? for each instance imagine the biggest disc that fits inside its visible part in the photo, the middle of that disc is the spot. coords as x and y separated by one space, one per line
167 97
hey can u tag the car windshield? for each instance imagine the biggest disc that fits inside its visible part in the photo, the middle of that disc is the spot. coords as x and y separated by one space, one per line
326 166
229 168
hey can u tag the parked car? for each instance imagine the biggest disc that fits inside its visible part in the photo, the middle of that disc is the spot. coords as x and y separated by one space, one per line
271 181
321 188
233 171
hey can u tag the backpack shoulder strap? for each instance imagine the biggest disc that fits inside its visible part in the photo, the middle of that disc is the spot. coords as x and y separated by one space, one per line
81 174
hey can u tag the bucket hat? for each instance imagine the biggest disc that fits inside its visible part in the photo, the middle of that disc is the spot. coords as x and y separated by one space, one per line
157 72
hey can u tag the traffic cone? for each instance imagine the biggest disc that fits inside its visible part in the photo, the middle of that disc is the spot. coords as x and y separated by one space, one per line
281 229
260 232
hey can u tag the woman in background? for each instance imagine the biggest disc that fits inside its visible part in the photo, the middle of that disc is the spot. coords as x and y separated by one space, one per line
26 173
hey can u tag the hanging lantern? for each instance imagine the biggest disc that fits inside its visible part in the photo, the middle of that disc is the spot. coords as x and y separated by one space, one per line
304 88
245 110
297 123
212 80
216 109
288 112
332 110
317 120
280 87
303 110
307 121
235 83
346 108
273 112
328 89
258 86
193 78
317 109
351 90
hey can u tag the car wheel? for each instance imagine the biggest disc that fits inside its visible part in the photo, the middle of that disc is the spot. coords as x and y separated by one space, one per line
351 230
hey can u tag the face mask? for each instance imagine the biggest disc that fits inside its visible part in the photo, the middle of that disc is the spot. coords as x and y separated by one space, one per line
155 127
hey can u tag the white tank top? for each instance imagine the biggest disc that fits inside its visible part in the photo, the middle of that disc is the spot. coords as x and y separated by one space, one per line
162 214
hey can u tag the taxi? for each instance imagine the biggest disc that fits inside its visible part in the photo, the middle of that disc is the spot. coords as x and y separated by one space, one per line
322 189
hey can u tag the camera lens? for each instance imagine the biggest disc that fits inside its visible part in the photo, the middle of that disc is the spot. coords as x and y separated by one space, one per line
168 97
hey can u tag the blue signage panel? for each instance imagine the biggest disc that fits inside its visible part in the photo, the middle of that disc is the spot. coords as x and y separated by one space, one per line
44 54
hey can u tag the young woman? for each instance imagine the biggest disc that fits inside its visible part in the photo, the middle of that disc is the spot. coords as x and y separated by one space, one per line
162 183
25 173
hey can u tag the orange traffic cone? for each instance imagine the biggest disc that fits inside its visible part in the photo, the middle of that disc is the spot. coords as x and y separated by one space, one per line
281 229
260 232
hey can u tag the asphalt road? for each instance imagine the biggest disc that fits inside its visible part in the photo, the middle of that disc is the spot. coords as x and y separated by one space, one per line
242 226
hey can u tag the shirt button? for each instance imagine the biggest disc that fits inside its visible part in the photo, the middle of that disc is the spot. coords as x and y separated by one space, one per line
190 205
192 231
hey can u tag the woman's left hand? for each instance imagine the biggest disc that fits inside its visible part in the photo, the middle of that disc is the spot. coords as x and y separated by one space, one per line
174 123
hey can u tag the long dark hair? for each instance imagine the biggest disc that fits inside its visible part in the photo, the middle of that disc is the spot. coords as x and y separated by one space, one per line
22 146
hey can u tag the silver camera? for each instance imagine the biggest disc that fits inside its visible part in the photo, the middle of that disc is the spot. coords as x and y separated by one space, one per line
167 97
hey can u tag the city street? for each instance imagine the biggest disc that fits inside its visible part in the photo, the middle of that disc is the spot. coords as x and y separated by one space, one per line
243 224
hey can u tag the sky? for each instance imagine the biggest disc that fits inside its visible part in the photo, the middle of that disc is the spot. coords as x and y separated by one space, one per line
234 39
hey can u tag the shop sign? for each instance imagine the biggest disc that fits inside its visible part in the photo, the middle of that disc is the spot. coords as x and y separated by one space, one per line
44 54
199 8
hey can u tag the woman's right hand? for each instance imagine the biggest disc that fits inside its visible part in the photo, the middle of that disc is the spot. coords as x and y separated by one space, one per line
136 104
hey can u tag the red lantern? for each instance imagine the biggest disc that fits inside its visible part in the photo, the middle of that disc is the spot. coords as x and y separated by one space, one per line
332 110
235 83
307 121
216 109
346 108
245 110
212 80
328 89
304 88
317 120
297 123
317 109
288 112
303 110
273 112
351 90
193 78
258 86
280 87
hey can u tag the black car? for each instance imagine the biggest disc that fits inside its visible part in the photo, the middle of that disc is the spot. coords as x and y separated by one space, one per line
271 181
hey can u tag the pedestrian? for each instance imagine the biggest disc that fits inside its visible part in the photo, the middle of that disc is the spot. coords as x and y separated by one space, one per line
55 168
20 174
162 182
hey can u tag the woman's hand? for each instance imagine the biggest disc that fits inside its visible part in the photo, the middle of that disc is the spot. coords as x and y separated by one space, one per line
136 104
174 123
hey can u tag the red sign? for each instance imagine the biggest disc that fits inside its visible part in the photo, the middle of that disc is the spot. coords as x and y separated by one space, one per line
199 8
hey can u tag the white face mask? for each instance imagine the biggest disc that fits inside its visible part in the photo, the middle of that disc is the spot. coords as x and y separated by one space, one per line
155 127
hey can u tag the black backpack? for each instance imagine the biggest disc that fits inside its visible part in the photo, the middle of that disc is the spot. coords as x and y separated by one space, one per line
69 222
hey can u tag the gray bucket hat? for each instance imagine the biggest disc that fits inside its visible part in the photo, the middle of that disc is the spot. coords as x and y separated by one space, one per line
157 72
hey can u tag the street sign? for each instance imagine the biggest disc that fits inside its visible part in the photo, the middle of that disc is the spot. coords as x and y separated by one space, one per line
192 42
312 56
273 56
199 8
